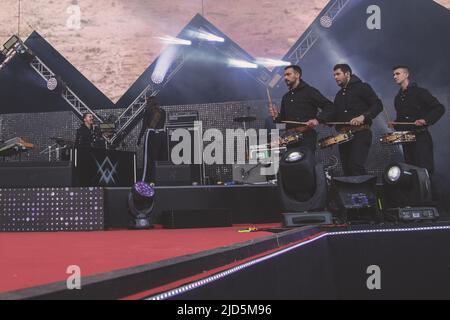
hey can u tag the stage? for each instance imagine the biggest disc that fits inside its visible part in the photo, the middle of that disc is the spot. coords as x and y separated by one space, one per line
198 154
328 262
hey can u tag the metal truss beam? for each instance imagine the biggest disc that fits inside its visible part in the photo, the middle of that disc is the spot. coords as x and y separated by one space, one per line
18 47
311 36
131 115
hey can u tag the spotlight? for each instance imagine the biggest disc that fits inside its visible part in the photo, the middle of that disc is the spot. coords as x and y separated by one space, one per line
52 83
157 77
25 53
10 49
407 193
165 60
272 63
8 45
326 21
21 50
241 64
140 204
302 188
56 85
294 156
172 40
393 174
204 35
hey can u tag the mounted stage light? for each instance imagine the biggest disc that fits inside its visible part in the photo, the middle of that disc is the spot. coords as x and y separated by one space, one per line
270 63
52 83
204 35
294 156
297 173
10 43
326 21
176 41
407 193
157 77
163 64
55 84
410 181
140 204
302 188
12 47
393 174
234 63
25 53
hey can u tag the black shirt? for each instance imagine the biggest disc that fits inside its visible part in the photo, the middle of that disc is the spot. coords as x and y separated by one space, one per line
302 104
416 103
356 99
85 137
148 117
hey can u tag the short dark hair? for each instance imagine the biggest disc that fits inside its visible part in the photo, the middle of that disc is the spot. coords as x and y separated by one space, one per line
151 102
86 114
400 67
344 67
295 67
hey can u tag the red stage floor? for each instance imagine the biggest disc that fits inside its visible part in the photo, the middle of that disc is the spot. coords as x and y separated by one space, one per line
31 259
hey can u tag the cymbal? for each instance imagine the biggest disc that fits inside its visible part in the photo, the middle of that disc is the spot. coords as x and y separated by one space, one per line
244 119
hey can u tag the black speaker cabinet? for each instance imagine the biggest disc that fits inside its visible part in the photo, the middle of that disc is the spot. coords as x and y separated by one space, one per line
30 174
168 174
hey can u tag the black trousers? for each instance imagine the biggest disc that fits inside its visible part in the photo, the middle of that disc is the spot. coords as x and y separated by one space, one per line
420 152
155 149
308 140
355 152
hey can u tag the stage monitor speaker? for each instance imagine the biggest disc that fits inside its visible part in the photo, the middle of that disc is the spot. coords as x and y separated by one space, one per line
201 218
356 192
355 198
168 174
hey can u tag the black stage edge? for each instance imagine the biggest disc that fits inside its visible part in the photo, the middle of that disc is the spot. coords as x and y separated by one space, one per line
414 263
246 203
126 282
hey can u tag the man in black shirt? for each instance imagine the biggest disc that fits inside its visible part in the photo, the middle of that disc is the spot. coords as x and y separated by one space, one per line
357 104
416 105
155 143
85 133
302 104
